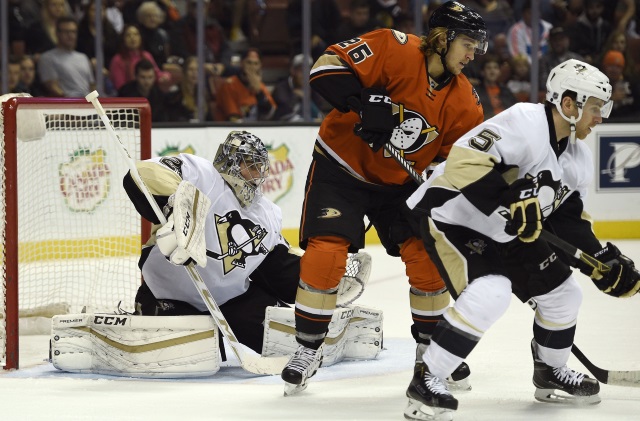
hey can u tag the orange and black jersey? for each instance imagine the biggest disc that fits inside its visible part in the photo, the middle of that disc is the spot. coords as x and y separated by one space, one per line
429 118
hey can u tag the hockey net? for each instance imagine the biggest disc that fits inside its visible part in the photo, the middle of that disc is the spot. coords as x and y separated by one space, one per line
70 235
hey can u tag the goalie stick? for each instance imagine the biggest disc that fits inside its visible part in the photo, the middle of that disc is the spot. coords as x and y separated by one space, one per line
626 378
251 363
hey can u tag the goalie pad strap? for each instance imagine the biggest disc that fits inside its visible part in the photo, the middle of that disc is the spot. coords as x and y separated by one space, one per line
355 332
135 346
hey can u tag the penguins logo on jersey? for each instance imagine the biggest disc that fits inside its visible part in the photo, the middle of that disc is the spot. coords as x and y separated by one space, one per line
477 246
239 239
551 193
412 131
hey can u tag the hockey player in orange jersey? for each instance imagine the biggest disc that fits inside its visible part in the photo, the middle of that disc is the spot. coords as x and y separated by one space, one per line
386 86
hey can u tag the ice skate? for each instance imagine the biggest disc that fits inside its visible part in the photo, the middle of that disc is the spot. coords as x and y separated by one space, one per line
302 365
562 385
429 398
459 379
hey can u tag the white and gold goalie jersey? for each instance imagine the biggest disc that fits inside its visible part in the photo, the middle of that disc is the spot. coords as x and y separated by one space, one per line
238 239
519 142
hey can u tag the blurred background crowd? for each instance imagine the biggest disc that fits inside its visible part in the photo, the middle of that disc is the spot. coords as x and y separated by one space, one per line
252 54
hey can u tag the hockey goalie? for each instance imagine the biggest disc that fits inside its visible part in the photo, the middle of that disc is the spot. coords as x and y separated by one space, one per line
218 219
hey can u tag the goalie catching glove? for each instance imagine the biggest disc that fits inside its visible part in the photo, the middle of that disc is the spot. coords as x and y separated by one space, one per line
376 116
182 238
622 280
526 217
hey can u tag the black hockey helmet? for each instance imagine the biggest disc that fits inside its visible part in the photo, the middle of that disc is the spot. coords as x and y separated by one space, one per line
459 19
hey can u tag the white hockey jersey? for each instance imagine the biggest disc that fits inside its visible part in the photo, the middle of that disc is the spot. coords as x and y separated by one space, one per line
238 239
466 189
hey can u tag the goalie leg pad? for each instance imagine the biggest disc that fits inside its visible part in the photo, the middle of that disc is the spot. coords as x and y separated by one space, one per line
355 333
135 346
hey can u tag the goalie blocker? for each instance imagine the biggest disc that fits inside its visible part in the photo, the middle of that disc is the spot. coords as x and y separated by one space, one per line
188 346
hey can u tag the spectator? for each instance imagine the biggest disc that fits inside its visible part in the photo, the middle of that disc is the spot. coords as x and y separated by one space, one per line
28 78
17 29
42 35
494 96
497 15
217 49
183 103
590 32
130 52
144 85
244 97
358 22
65 72
519 36
288 95
520 81
155 39
129 10
13 76
114 14
619 41
325 18
626 92
558 53
87 34
619 13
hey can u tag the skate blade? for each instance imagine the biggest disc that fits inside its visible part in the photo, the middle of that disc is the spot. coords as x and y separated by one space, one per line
416 410
460 385
292 389
558 396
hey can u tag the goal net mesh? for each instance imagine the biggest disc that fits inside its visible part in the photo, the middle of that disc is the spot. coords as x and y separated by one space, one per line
78 234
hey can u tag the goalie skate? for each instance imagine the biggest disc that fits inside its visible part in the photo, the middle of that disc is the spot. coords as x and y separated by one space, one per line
429 398
301 367
562 385
458 380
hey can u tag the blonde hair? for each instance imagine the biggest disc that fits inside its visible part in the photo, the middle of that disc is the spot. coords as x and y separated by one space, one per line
189 99
149 7
430 43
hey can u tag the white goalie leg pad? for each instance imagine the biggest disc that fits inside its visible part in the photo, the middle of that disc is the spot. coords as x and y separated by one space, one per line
135 346
182 237
355 333
355 278
31 124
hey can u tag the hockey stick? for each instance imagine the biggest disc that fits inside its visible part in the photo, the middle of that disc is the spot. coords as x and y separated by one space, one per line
627 378
251 363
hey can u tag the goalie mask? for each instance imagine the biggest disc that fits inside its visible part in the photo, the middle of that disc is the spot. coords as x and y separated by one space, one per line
243 162
460 20
583 79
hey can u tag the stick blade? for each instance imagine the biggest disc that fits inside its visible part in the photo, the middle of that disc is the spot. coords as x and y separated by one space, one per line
264 365
624 378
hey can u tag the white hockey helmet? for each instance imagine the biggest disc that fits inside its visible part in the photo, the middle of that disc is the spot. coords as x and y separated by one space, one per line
583 79
243 162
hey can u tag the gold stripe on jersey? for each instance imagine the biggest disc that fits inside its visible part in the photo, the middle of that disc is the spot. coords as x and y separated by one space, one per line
160 180
459 320
453 262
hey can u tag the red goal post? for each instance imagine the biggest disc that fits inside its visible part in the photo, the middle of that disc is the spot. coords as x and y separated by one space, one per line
70 236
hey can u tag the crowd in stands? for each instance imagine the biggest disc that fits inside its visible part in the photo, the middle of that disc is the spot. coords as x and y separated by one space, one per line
253 62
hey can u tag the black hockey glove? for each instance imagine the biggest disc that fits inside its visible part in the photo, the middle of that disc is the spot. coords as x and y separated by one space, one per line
623 280
376 118
526 216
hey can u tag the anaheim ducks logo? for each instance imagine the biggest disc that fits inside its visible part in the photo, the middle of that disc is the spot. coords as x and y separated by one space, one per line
412 131
238 238
328 213
401 37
